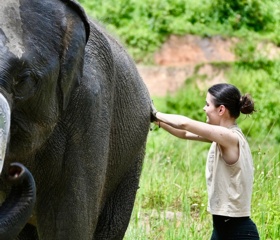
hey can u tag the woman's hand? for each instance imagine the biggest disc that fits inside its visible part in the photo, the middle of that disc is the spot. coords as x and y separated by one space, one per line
153 112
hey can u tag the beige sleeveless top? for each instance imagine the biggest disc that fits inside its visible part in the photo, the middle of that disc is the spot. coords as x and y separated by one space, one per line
230 186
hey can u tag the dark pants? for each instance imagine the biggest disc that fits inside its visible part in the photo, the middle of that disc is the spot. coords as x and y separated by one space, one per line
229 228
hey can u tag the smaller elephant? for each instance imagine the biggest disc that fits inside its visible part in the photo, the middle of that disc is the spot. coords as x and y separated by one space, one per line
19 203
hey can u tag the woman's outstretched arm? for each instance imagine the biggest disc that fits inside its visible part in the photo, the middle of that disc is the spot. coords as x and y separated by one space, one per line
181 133
207 132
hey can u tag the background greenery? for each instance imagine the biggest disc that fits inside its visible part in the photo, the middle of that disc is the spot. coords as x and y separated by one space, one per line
144 25
171 202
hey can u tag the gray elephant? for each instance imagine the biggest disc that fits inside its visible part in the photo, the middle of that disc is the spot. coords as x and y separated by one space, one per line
76 113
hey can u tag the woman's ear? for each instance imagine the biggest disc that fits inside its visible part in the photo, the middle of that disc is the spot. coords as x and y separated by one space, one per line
222 110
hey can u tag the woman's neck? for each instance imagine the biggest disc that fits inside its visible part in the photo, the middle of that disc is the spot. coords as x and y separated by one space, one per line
228 123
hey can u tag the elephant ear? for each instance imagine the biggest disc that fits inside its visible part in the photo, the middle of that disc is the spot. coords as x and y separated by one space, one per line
81 12
74 42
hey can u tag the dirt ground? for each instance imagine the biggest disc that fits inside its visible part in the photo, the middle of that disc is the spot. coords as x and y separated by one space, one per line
177 58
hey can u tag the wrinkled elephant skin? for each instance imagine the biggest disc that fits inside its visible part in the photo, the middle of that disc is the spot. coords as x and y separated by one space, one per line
79 119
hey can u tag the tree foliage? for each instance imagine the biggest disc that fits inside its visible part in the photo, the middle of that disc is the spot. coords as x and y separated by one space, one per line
144 25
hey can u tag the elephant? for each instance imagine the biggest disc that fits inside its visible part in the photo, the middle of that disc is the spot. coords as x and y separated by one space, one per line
76 113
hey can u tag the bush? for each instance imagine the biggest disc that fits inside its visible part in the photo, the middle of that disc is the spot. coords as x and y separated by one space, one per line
251 14
144 25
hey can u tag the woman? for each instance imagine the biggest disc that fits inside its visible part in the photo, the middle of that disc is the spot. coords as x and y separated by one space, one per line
229 168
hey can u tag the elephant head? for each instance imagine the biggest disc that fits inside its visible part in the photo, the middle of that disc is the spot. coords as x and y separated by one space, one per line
18 206
40 65
34 57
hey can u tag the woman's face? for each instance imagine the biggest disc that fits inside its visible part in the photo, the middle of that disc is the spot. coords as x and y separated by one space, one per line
212 112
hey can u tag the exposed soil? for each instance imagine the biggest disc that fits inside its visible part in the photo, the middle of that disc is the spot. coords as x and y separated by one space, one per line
177 58
186 50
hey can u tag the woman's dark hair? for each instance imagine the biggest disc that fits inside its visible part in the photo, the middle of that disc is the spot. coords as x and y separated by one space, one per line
229 96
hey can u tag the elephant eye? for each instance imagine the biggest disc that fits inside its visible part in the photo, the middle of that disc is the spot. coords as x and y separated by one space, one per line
24 86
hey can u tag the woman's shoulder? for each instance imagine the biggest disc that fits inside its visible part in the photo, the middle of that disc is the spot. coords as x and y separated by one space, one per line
239 132
236 128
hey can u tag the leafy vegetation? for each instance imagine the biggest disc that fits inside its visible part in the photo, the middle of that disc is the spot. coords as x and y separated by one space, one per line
171 202
254 14
144 25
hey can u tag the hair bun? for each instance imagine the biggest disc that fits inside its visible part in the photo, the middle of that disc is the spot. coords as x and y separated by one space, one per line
247 104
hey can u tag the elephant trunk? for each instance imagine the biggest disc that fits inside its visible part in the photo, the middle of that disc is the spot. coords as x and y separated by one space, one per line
18 206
